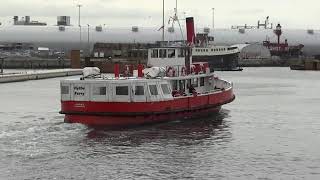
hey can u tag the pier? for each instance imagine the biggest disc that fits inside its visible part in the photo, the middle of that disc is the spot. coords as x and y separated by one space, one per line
38 74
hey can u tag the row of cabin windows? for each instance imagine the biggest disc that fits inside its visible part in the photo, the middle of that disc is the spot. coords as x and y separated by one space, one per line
124 90
207 50
166 53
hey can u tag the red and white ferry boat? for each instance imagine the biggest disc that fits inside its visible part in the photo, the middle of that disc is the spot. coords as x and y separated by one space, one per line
173 88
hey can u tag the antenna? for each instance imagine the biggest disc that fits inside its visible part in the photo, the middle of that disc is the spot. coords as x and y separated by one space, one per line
79 24
212 18
79 6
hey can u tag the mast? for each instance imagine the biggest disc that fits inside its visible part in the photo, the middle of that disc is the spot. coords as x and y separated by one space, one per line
176 6
162 20
175 18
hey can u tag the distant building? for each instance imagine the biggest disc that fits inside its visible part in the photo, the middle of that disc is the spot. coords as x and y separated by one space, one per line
26 21
63 21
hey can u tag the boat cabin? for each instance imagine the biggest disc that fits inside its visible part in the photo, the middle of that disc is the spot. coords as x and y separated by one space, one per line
169 57
134 89
116 90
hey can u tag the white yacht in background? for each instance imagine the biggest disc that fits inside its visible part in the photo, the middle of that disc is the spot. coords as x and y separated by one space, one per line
220 58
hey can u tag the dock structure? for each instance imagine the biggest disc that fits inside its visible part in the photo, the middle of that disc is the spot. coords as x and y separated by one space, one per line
38 74
1 65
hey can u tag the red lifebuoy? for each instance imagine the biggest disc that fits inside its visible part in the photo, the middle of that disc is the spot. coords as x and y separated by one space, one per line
183 71
192 69
171 72
126 71
202 68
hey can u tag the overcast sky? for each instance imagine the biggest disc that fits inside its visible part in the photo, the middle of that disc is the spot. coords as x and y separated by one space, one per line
296 14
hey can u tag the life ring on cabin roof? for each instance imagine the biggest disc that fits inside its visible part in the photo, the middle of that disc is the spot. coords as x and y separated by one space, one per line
126 72
171 72
193 69
183 71
202 68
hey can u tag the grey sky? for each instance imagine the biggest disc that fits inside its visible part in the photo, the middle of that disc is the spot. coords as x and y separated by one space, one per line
115 13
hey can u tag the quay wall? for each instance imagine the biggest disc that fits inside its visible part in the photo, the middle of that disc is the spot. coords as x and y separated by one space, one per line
268 62
6 78
17 63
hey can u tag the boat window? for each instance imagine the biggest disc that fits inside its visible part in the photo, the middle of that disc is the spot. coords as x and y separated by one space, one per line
211 49
154 53
165 89
175 85
194 82
139 91
163 53
181 53
153 90
122 90
202 81
206 50
188 83
182 84
99 90
64 89
171 53
232 48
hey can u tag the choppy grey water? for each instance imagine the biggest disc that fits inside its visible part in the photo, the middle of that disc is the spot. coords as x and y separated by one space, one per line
271 131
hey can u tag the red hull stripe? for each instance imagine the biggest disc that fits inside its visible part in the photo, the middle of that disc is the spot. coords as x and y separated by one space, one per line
117 121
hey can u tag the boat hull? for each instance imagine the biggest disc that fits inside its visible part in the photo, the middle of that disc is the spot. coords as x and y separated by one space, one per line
134 120
137 113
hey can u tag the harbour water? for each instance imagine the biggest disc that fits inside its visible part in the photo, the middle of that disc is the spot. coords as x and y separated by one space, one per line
271 131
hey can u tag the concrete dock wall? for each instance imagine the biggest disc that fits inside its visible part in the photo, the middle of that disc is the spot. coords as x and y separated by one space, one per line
17 63
5 78
268 62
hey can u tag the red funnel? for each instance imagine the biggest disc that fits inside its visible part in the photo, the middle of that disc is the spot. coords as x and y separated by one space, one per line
190 30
